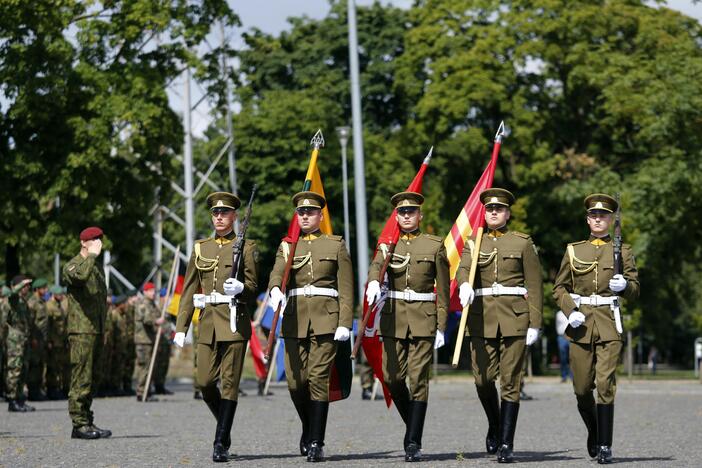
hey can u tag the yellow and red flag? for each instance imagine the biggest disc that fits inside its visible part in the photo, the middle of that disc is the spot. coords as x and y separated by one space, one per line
372 347
471 217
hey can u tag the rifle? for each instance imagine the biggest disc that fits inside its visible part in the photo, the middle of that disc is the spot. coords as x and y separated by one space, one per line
238 250
617 240
366 316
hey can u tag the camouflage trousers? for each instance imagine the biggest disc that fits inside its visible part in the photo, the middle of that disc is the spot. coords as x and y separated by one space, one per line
58 367
143 358
36 366
163 358
85 359
16 372
129 364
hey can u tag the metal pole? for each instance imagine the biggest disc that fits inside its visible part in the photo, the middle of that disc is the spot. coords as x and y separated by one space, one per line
188 169
57 269
344 133
230 130
158 247
359 163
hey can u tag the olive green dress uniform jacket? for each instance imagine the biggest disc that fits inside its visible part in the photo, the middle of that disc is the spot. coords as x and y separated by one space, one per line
419 263
206 273
589 273
324 262
87 296
508 258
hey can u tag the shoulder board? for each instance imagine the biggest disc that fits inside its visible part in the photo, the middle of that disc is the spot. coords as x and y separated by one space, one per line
521 234
432 237
578 243
200 241
334 237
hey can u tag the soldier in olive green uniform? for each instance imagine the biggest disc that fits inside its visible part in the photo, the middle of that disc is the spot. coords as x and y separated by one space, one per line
39 337
227 306
413 317
58 370
87 311
505 318
129 346
318 312
17 318
587 291
147 319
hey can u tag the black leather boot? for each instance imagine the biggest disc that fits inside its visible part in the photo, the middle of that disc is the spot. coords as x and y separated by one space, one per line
319 411
104 433
213 403
302 403
16 406
508 425
605 429
403 408
84 432
586 408
415 428
491 405
220 452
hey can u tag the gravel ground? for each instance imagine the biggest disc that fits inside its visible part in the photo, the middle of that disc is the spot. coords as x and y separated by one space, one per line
657 423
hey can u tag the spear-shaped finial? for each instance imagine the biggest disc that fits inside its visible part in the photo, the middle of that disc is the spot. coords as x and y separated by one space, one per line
318 139
501 132
428 156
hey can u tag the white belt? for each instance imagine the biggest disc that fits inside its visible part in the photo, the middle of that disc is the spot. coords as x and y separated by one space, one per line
218 298
498 290
597 300
309 291
410 296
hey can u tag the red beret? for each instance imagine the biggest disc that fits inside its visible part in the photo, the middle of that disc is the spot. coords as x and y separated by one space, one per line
90 233
148 285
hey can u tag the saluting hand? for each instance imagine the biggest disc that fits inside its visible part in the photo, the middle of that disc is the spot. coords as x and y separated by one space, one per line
95 247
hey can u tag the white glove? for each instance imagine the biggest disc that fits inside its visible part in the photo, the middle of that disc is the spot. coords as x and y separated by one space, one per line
233 287
199 301
466 294
439 340
342 334
575 319
276 298
179 339
372 292
617 283
532 336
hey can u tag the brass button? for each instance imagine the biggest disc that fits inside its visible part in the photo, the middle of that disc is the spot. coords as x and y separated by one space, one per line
309 242
408 243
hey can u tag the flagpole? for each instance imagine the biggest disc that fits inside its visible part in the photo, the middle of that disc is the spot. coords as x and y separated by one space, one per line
464 314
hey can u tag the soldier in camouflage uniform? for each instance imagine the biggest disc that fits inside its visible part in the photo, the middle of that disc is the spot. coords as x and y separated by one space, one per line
505 318
58 370
413 318
39 336
147 318
4 306
18 320
227 306
87 313
129 346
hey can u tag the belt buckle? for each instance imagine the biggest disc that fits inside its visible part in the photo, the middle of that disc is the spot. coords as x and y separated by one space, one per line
307 290
406 295
495 289
593 300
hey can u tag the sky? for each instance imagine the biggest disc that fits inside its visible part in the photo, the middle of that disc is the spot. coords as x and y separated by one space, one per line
270 16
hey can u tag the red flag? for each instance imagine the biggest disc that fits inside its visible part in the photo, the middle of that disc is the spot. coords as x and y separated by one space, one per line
372 347
257 355
471 217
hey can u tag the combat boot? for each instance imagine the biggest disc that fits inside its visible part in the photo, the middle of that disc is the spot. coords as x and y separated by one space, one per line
15 406
162 390
319 411
104 433
508 425
220 452
84 432
605 429
415 427
489 399
586 408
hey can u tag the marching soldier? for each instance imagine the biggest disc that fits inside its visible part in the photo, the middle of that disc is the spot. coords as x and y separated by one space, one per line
18 320
38 339
317 313
147 319
227 306
58 370
587 291
413 316
87 313
505 317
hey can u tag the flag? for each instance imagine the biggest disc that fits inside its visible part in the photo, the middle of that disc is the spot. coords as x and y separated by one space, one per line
471 217
372 347
257 354
341 372
175 299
